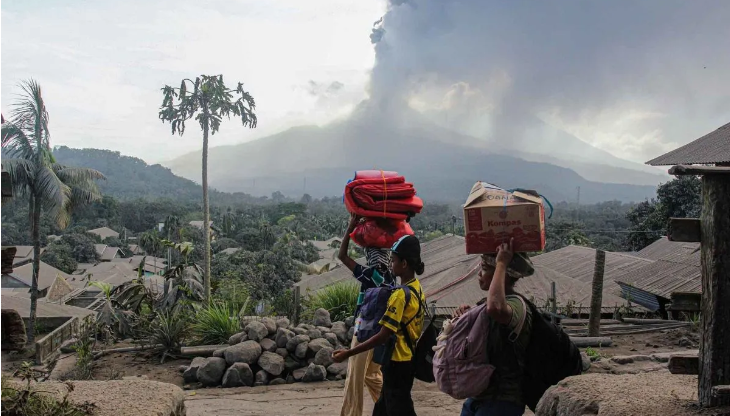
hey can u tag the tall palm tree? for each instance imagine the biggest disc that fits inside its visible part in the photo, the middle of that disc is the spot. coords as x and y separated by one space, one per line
208 100
35 174
172 226
151 243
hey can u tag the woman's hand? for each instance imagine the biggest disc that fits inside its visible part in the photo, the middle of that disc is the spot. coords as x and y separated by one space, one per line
505 253
339 356
461 310
354 220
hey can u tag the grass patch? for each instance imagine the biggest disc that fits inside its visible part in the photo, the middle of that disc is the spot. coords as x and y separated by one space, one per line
340 299
214 324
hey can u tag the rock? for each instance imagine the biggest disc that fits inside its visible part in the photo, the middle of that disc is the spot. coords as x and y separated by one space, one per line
257 331
331 338
277 381
283 352
306 326
314 333
339 329
301 350
322 318
211 371
685 342
246 352
350 321
181 369
270 324
13 328
268 345
282 323
262 378
191 373
318 344
238 375
299 339
237 338
300 331
299 373
290 364
315 373
271 362
112 398
323 329
628 359
290 379
338 369
350 334
323 357
283 336
220 353
586 361
68 346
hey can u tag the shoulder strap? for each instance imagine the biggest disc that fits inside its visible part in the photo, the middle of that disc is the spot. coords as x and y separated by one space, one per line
404 326
518 330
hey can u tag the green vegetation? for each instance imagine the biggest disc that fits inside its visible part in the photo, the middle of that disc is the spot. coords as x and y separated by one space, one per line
340 299
214 324
168 330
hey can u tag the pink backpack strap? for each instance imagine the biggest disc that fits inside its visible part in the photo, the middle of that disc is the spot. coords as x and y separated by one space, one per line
518 330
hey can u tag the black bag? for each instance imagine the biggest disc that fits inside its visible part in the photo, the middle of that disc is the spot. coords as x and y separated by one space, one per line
550 357
423 352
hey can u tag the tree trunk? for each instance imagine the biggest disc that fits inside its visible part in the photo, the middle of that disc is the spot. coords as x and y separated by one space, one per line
715 246
36 237
206 216
594 321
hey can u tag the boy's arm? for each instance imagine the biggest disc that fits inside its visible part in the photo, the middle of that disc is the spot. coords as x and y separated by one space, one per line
379 339
345 246
497 306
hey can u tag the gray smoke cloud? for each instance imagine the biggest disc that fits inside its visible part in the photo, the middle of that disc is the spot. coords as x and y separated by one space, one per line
635 77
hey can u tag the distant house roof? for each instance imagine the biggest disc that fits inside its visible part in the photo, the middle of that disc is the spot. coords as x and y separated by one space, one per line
199 224
44 309
47 274
152 264
710 149
324 245
665 249
451 276
114 273
135 249
59 289
104 232
230 250
109 253
23 254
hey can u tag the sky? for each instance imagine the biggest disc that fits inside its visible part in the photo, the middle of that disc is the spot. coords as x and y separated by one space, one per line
102 63
633 78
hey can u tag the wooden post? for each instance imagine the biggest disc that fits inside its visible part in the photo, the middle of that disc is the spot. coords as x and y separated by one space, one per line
594 320
554 301
715 248
297 302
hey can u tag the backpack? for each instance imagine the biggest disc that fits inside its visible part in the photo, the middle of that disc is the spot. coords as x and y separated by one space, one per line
423 353
549 358
461 365
373 309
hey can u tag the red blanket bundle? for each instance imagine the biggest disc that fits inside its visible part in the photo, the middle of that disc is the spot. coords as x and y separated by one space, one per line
382 194
380 232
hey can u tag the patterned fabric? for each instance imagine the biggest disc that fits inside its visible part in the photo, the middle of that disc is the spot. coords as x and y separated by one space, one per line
370 277
378 258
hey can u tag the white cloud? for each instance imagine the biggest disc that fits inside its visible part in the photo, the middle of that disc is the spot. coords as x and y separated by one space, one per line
102 64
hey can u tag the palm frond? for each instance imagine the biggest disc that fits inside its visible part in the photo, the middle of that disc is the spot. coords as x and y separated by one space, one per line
54 194
22 173
29 113
73 176
15 142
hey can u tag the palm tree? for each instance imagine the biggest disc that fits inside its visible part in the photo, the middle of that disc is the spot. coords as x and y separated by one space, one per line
172 225
34 174
151 243
208 100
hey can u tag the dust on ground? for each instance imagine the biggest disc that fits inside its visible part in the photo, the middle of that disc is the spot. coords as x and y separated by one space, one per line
678 340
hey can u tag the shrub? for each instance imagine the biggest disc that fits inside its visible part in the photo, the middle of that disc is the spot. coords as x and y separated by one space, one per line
215 324
168 330
340 299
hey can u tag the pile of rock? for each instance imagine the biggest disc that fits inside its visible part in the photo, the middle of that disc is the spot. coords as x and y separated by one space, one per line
275 352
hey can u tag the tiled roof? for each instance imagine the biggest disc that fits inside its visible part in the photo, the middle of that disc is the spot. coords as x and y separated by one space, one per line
710 149
104 232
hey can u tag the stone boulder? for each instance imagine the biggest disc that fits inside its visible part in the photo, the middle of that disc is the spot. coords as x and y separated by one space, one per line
268 345
257 331
332 338
272 363
13 329
318 344
323 357
314 333
282 352
292 344
290 364
277 381
190 375
301 350
246 352
299 374
283 323
300 331
283 336
340 329
350 334
350 321
322 318
237 338
261 379
338 369
270 325
238 375
211 371
220 353
323 329
315 373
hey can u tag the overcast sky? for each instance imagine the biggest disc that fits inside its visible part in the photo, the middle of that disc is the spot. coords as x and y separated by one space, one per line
633 78
101 63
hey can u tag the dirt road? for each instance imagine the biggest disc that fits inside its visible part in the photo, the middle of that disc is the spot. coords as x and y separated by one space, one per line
321 399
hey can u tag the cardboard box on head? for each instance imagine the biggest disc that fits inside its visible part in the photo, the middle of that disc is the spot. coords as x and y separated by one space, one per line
493 215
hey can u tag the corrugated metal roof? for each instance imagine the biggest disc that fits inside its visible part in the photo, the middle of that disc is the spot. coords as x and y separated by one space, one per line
667 275
665 249
710 149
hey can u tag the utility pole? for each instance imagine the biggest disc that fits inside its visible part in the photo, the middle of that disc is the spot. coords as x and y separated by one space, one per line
453 224
594 320
577 205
